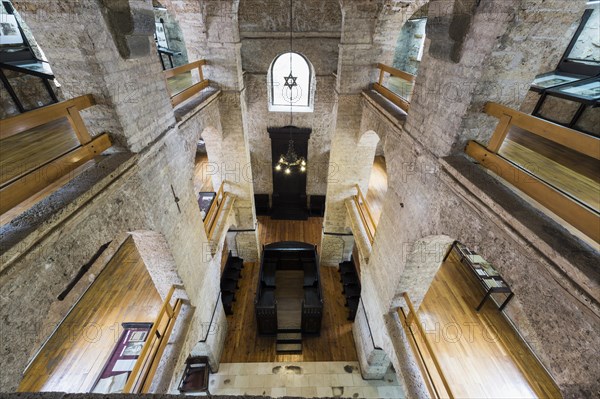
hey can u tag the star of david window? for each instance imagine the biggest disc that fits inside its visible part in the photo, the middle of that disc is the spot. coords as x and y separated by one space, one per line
291 84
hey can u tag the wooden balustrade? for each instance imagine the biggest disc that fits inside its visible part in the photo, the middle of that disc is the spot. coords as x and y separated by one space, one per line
17 190
389 94
180 97
573 212
143 372
436 383
366 216
214 212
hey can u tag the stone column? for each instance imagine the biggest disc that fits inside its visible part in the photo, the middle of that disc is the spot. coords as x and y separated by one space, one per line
355 60
225 67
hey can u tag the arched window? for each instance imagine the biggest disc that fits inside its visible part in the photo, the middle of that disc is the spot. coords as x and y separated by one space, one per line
291 84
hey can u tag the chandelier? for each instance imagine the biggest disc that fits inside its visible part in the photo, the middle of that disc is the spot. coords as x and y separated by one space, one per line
290 159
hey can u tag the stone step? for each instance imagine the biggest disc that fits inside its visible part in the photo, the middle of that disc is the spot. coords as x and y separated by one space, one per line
289 348
289 338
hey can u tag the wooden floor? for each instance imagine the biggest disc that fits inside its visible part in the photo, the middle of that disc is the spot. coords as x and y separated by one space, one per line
481 354
202 177
24 152
335 343
561 167
378 184
179 83
74 356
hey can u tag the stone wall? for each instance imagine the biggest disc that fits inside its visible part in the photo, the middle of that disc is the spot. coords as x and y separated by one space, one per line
86 60
544 306
43 249
410 40
174 36
265 34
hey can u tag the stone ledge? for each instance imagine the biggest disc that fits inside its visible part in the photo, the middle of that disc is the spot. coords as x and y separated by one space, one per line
18 236
567 257
186 110
391 111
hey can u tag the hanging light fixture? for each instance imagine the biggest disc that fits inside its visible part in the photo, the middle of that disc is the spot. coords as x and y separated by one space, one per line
290 160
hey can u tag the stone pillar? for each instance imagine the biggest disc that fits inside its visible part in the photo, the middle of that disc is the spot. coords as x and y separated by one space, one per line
373 360
225 67
355 60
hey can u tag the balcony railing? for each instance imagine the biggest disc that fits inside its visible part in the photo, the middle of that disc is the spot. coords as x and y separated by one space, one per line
395 85
183 82
140 379
17 187
561 203
366 216
434 377
215 211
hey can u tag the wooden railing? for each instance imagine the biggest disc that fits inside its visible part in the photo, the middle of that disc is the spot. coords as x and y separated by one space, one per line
180 97
214 212
573 212
19 188
401 101
141 376
366 216
436 382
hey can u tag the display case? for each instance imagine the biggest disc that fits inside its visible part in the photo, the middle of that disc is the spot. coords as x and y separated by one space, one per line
575 105
552 79
570 95
585 91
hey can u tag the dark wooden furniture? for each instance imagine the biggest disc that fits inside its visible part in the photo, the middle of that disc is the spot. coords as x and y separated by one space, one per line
261 203
289 255
289 191
230 276
488 277
195 376
316 205
350 286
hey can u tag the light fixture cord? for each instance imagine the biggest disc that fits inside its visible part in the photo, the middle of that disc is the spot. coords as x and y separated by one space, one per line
291 69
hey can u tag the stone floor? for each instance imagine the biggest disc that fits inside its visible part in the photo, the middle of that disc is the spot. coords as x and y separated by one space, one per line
304 379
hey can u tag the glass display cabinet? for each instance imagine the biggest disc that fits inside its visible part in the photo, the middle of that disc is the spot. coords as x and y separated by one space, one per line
570 94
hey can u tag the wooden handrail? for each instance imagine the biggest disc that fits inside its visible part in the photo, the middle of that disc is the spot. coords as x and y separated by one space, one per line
180 97
15 192
580 142
403 103
210 215
216 208
395 72
578 215
169 73
17 189
141 376
413 318
365 212
64 109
